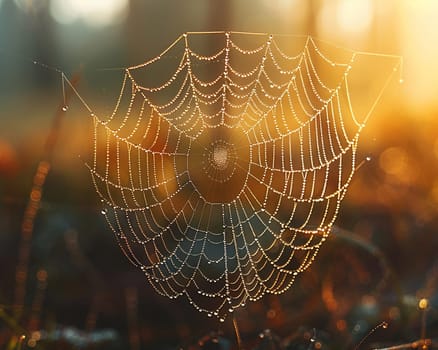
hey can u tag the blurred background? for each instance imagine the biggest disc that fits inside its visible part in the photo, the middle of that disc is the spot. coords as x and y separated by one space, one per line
64 283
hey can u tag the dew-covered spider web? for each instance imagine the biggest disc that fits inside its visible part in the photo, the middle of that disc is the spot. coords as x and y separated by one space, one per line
224 162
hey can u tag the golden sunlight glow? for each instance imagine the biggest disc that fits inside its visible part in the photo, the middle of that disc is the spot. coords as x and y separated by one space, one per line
8 158
95 13
435 148
419 38
395 161
349 18
282 5
434 192
354 16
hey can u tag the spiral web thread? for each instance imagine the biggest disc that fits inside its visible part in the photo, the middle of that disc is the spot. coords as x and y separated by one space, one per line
222 182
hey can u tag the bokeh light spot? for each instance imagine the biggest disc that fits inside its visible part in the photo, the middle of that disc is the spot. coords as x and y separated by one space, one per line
394 161
271 314
345 16
423 303
42 275
354 16
95 13
341 325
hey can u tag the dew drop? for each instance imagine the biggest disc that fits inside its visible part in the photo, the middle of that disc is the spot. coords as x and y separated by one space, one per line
423 304
103 211
368 158
221 319
64 108
384 325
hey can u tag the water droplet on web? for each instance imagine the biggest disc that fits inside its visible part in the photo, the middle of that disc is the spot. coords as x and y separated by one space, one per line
384 325
368 158
103 211
221 319
64 108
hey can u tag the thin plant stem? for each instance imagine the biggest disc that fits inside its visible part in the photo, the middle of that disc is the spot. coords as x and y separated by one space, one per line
33 205
20 342
236 330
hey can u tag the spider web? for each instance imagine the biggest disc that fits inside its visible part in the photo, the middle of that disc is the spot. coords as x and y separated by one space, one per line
222 182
